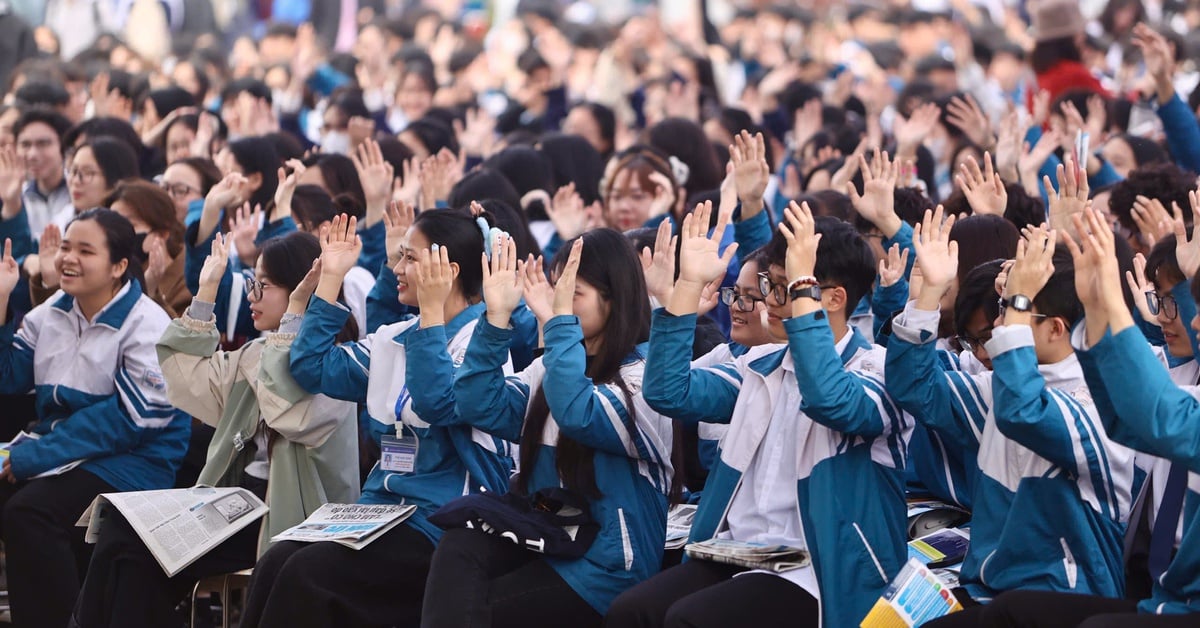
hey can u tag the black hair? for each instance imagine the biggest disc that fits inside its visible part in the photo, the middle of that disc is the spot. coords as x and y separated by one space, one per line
312 206
394 152
281 29
421 70
256 155
168 99
977 290
513 221
104 127
1167 183
843 258
49 117
350 101
116 160
1162 260
200 71
830 203
531 61
606 121
1058 298
910 205
341 177
457 232
252 86
1145 152
1046 54
123 243
434 134
1023 210
286 145
210 175
482 184
609 264
982 238
286 259
734 121
574 160
42 93
528 170
685 140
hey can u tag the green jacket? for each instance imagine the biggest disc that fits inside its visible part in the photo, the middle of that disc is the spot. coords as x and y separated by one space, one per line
314 458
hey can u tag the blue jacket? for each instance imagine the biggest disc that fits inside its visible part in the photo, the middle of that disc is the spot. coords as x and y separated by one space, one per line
452 460
1182 131
632 448
849 485
101 396
1141 407
1051 492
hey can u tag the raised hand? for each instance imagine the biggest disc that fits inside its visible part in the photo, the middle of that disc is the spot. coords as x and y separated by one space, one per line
911 132
1008 146
407 188
213 269
892 267
434 282
1097 273
360 130
47 250
806 122
244 231
12 177
750 170
1152 219
477 136
799 229
438 175
567 213
502 284
396 221
966 114
700 258
340 246
842 176
287 186
1187 250
1034 265
298 299
984 188
1141 288
659 265
1072 195
233 189
877 203
664 194
156 263
1159 58
539 293
564 288
10 272
1031 159
376 176
937 257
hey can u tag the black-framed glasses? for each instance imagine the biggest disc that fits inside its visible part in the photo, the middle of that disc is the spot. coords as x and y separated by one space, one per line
769 288
175 189
742 302
1162 303
254 287
973 344
1003 303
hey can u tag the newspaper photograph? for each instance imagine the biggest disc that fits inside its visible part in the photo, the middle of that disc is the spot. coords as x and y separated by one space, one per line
352 525
679 525
178 525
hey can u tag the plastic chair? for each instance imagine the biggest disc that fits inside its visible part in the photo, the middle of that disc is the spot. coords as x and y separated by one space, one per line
224 584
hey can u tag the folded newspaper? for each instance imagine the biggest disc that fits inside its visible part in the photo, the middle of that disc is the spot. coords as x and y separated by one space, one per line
679 525
914 597
6 449
352 525
177 525
776 558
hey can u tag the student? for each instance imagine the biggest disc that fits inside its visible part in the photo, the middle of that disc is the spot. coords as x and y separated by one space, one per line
1146 407
38 135
582 425
327 584
101 399
815 448
295 451
1051 493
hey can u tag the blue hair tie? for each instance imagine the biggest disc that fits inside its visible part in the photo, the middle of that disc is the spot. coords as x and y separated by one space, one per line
490 235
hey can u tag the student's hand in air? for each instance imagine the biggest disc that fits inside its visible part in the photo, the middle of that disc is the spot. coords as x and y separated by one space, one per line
407 187
340 247
658 265
1141 287
47 249
1008 146
664 195
1034 265
10 272
1151 218
233 189
539 293
567 213
287 186
502 281
877 202
892 267
12 177
564 288
937 257
799 229
156 263
700 258
1097 273
213 269
397 220
751 171
1071 197
244 232
376 175
966 114
298 299
983 188
1187 250
434 282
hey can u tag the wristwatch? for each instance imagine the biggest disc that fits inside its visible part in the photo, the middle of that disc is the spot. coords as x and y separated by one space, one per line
1020 303
811 291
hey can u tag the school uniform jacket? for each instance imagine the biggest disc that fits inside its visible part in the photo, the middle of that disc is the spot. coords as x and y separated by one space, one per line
1051 492
452 460
314 459
632 446
101 397
1143 408
849 483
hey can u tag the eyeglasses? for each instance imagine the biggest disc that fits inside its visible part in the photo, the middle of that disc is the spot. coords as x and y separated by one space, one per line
176 190
1003 303
768 288
743 302
84 176
254 287
972 344
40 144
1165 304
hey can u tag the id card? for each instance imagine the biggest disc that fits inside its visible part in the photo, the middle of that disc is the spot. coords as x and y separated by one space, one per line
398 454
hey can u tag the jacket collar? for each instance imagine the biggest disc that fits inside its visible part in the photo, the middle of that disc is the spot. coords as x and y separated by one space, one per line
849 347
113 314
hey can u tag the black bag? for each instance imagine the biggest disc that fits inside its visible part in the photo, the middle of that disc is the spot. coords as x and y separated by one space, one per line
553 521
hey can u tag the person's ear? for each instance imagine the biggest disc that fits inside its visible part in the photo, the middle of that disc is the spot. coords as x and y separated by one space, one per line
255 180
454 268
834 299
118 269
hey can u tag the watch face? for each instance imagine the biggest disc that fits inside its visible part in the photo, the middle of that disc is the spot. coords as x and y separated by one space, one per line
1021 303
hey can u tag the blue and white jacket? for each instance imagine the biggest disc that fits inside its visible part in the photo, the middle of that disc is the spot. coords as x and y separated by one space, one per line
1052 493
101 396
452 460
632 446
849 475
1142 407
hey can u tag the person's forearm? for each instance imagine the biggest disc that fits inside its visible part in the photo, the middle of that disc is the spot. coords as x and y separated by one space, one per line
209 219
329 286
929 298
685 299
1165 89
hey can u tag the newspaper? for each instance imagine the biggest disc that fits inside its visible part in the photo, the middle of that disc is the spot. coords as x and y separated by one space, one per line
352 525
942 548
777 558
679 525
6 449
916 596
178 525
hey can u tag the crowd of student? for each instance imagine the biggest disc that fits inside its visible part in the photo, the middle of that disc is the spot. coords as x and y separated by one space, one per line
795 265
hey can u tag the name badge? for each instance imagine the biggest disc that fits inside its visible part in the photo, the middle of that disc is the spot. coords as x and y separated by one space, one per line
398 454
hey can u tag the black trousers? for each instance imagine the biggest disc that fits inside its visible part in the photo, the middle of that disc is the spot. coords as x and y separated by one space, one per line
1044 609
700 594
328 584
479 580
45 553
126 587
